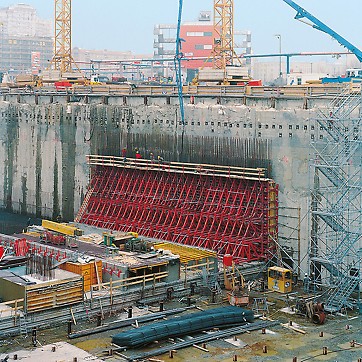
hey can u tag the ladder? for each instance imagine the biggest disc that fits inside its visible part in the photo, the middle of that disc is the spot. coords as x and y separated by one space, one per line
338 298
87 303
23 326
84 205
216 286
233 278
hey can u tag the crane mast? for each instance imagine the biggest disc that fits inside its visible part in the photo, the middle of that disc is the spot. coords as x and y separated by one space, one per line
62 59
223 52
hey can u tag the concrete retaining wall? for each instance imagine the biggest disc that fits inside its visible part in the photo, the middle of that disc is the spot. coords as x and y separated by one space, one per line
44 140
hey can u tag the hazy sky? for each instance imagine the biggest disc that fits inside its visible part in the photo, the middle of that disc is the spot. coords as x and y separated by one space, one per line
128 25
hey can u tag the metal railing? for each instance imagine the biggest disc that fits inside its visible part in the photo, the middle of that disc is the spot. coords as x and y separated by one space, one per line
178 167
330 90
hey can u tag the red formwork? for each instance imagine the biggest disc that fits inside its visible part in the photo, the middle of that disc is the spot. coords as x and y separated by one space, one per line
226 214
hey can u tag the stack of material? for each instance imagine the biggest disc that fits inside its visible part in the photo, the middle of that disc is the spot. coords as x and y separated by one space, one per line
92 238
126 259
188 324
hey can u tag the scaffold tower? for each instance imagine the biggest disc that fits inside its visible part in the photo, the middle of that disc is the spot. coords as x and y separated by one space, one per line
336 208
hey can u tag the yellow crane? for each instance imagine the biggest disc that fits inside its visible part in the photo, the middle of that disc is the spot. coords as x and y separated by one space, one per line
63 59
62 62
223 52
227 66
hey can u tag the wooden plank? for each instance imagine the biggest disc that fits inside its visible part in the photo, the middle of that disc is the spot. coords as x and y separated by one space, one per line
125 281
48 284
96 269
15 301
216 170
200 348
286 325
74 320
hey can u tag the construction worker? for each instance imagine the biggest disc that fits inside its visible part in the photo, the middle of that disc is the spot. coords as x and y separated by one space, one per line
306 283
138 155
160 159
124 154
152 157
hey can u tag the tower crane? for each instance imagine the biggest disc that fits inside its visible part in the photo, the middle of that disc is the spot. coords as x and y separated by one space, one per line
223 50
223 54
317 24
62 58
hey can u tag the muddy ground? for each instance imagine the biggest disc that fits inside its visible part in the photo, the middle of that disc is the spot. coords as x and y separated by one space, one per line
15 223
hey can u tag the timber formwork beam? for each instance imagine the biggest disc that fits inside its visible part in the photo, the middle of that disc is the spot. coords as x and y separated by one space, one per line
229 210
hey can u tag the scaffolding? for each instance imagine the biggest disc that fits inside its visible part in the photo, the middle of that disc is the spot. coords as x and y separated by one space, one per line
229 210
336 208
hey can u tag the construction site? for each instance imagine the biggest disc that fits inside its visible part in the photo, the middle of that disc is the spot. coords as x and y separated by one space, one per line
218 220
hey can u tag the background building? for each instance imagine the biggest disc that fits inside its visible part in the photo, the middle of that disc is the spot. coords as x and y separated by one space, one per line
26 42
303 68
198 42
27 45
111 63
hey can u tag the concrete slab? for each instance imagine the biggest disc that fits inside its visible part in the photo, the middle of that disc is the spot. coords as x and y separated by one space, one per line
55 352
238 342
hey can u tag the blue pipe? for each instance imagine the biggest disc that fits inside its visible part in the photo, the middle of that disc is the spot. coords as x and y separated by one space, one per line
317 24
177 62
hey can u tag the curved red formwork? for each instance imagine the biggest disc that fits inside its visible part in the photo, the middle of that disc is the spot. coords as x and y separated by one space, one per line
229 215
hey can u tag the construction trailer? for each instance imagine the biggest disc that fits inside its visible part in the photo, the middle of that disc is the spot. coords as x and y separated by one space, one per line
280 279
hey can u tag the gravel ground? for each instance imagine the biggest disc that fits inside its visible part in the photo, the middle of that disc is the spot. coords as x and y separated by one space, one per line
282 344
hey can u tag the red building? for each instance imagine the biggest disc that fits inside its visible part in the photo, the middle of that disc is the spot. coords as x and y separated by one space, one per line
198 43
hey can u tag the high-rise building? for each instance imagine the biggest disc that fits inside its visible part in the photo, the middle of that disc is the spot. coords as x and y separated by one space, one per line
26 41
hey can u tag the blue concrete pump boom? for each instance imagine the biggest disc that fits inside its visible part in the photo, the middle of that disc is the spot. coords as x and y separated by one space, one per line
317 24
177 62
